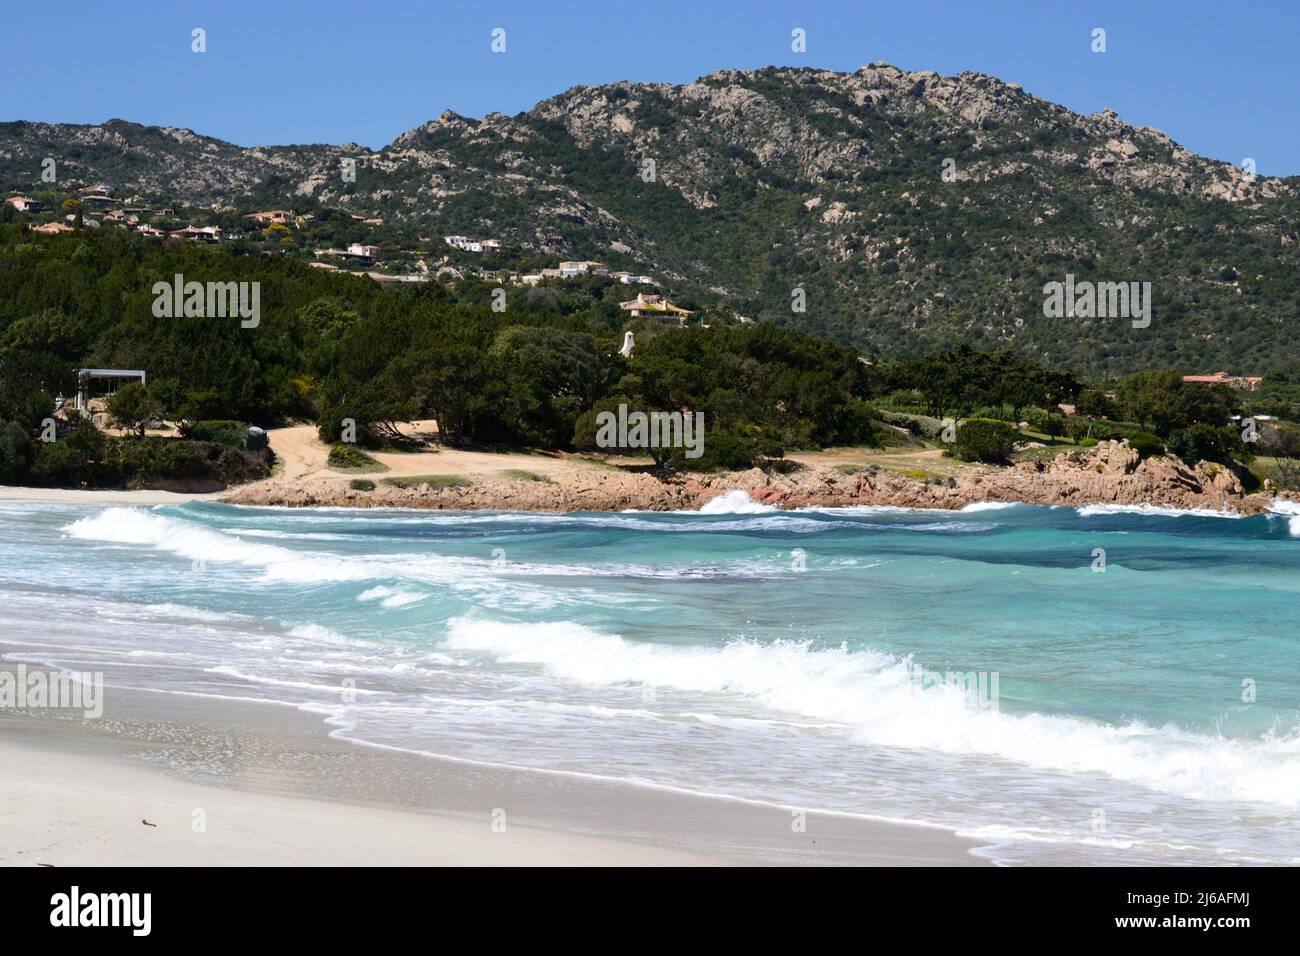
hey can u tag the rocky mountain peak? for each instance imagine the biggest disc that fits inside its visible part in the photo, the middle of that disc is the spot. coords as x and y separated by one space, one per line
914 204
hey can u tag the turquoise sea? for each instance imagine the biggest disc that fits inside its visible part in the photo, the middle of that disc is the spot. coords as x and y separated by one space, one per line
1147 712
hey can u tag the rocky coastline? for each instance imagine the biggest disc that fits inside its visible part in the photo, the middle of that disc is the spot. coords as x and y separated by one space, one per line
1108 473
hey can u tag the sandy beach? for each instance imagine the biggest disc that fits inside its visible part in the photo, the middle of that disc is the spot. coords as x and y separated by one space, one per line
74 496
78 810
251 784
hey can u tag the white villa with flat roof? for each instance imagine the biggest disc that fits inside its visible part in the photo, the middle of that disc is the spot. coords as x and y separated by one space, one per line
570 269
466 244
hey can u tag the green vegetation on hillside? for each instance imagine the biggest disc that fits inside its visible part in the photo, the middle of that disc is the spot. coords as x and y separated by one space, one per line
361 359
768 181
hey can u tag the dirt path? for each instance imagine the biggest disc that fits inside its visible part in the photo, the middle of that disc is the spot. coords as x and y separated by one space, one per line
302 454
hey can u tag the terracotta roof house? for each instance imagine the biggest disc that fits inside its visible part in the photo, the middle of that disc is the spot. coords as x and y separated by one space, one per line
25 204
1247 383
283 217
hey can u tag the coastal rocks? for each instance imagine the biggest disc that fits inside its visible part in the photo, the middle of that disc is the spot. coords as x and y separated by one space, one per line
1111 473
1108 473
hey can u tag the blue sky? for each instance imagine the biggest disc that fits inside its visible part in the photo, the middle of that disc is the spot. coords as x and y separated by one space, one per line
1221 79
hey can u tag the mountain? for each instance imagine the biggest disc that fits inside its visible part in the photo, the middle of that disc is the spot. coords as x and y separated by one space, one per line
770 180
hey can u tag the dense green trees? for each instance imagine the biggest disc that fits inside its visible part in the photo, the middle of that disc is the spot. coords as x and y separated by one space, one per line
960 380
985 441
1165 402
762 390
1193 419
1281 442
340 349
133 406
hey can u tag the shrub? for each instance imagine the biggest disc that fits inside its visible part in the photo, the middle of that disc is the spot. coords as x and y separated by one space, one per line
923 426
88 458
83 459
520 474
203 430
985 441
16 450
347 458
1146 444
724 449
1201 442
361 484
223 432
1001 413
134 406
1080 426
330 429
781 466
1039 419
151 462
433 481
1087 442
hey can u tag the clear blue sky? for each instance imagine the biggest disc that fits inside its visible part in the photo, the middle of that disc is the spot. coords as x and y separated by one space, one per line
1220 78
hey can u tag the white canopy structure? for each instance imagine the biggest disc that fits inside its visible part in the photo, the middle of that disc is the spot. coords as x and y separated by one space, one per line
83 374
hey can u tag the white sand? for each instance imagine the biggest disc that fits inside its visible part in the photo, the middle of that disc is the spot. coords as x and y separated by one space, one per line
276 789
69 496
75 810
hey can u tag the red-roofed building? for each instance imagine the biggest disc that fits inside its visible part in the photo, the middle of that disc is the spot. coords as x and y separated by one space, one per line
1246 383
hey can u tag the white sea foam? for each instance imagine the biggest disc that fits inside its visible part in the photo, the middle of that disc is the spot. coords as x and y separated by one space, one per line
319 634
227 670
198 543
990 506
1165 511
190 613
735 502
283 564
391 597
856 510
1291 511
293 535
871 697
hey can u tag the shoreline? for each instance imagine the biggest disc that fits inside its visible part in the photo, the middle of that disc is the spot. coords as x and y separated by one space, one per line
80 496
1110 473
276 788
144 498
